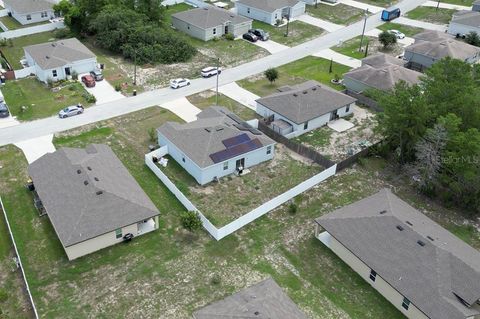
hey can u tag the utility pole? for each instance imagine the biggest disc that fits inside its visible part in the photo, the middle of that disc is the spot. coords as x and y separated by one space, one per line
218 74
438 5
363 32
288 20
316 4
135 67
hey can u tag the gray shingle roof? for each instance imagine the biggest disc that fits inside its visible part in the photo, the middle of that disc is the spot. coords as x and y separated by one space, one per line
269 5
468 18
430 276
201 138
306 101
431 36
380 59
76 211
28 6
383 77
443 48
55 54
265 300
209 17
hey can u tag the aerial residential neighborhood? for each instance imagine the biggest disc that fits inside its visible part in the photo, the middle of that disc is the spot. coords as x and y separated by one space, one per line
207 159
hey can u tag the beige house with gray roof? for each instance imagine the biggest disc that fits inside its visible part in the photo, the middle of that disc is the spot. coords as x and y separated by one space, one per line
418 266
297 109
210 22
58 59
217 144
90 198
29 11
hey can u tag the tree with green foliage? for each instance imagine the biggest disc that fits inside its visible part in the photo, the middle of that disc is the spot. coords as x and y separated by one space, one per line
473 38
387 39
271 75
191 221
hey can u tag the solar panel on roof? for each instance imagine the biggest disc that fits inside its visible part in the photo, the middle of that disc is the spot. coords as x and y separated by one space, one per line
232 141
236 150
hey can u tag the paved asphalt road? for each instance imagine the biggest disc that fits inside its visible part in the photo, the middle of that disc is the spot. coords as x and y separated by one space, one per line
105 111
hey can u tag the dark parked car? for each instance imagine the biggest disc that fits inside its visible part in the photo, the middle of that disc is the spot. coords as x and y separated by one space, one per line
250 37
262 35
4 109
97 75
88 80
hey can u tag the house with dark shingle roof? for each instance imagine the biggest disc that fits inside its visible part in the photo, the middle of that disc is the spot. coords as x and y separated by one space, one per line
58 59
379 72
91 199
302 108
29 11
210 22
432 46
263 300
217 144
269 11
417 265
463 22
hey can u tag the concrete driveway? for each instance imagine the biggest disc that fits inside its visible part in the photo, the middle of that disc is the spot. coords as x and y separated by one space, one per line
405 41
8 121
239 94
271 46
339 58
325 25
104 92
183 109
421 24
37 147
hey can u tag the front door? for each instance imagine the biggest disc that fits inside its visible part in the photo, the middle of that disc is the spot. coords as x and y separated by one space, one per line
240 165
333 115
226 29
67 71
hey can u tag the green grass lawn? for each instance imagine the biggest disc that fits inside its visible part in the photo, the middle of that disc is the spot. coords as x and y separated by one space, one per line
339 14
169 273
170 10
467 3
432 15
407 30
206 99
14 53
298 32
39 100
317 138
309 68
351 47
380 3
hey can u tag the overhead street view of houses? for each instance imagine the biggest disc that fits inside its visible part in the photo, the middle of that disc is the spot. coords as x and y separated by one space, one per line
205 159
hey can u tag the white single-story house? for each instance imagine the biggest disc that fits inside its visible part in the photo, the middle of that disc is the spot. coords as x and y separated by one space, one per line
210 22
463 22
90 198
217 144
270 11
303 107
417 265
29 11
263 300
58 59
432 46
380 72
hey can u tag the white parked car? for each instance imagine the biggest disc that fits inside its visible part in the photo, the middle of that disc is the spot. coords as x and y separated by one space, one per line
71 111
397 33
178 83
211 71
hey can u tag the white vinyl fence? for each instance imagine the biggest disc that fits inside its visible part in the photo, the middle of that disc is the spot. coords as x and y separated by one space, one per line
23 73
3 13
219 233
32 30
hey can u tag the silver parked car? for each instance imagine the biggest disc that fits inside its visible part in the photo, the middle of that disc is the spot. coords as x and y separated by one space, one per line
71 111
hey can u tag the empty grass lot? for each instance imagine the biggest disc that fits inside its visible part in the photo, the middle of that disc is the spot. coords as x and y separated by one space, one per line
39 100
169 273
407 30
432 15
309 68
339 14
14 53
206 99
298 32
351 47
380 3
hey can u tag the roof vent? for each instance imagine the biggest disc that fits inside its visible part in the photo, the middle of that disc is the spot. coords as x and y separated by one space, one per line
421 243
400 228
431 238
409 223
219 128
79 171
208 129
89 168
54 44
383 212
85 183
99 192
305 92
295 94
314 88
96 179
47 57
256 313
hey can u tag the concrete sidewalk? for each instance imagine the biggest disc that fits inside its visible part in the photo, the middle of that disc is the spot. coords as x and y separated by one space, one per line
339 58
8 121
239 94
271 46
405 41
325 25
37 147
183 109
361 5
444 5
421 24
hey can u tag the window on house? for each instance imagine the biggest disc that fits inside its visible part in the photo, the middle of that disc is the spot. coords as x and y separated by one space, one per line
305 125
214 30
405 303
373 275
54 73
29 17
225 166
269 149
347 109
44 14
118 233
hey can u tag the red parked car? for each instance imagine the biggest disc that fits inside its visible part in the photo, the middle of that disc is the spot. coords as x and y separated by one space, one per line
88 80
